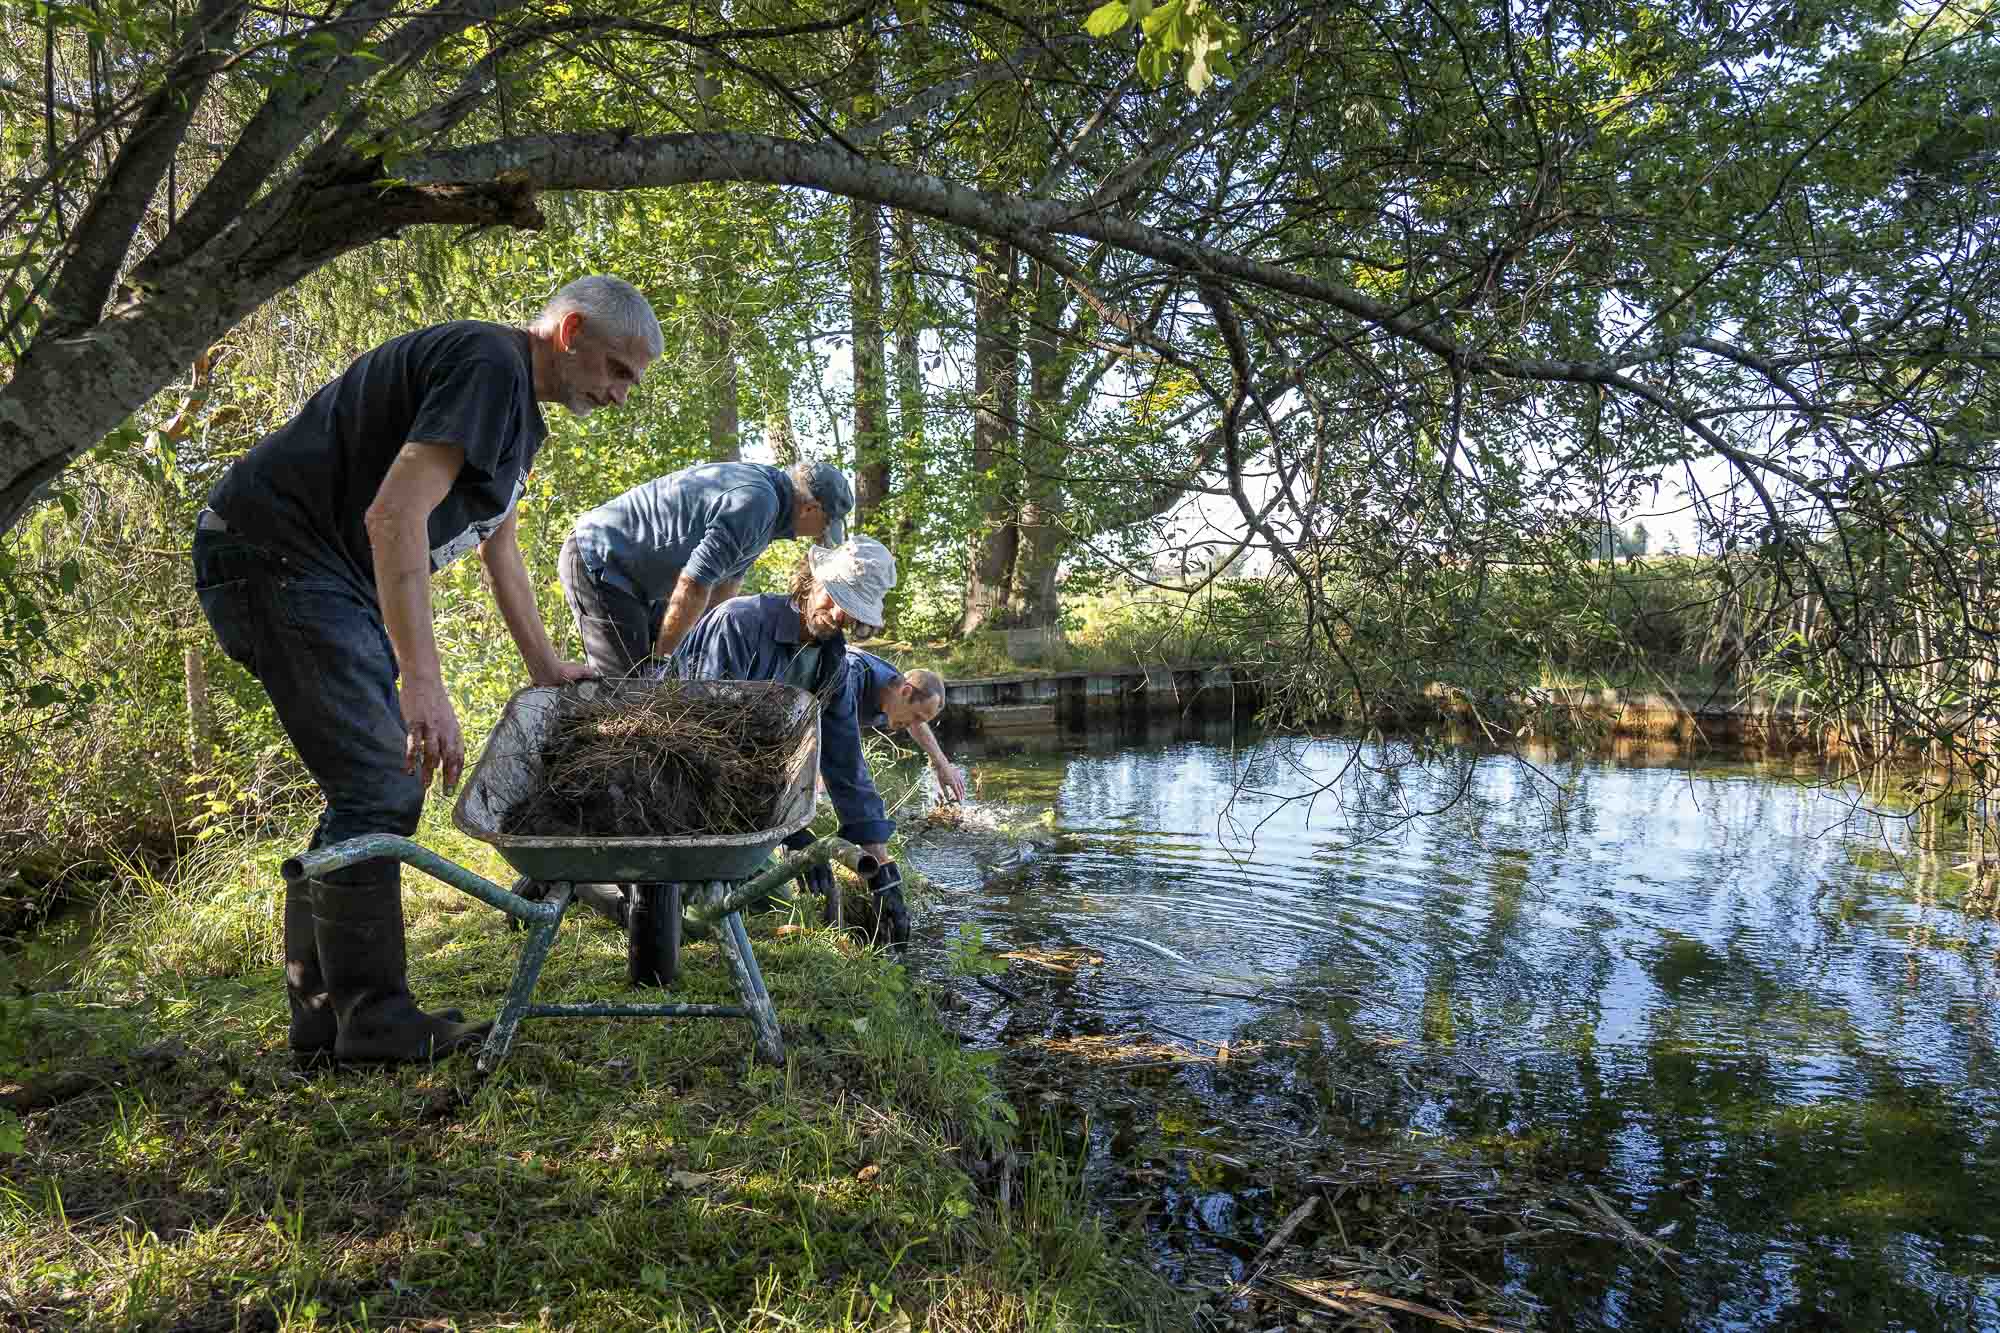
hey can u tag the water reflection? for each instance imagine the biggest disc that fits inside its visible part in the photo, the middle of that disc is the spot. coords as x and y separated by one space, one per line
1705 989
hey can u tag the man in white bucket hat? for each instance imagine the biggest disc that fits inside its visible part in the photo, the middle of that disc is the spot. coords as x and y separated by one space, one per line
800 637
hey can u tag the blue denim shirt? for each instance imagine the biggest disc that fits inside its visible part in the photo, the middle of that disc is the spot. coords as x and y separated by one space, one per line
709 522
868 675
756 638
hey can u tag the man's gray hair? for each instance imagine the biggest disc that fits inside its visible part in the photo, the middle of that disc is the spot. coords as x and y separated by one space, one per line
615 306
824 483
927 683
803 473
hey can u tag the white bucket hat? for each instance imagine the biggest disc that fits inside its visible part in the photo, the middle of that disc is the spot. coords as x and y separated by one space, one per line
857 574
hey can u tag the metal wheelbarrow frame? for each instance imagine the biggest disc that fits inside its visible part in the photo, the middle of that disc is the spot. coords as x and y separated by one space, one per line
710 878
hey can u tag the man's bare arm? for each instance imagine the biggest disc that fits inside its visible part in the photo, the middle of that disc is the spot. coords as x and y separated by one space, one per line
684 608
947 775
723 591
399 539
514 594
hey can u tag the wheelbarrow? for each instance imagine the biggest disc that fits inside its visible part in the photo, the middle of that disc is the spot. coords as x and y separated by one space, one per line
706 879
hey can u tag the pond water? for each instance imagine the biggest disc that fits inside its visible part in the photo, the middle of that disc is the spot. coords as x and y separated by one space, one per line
1709 991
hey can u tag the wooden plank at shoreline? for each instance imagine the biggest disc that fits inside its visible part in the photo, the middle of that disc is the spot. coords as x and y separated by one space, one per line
1043 699
1163 672
1000 717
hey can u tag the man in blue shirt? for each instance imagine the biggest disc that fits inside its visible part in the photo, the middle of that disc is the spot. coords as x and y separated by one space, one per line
638 571
800 638
892 700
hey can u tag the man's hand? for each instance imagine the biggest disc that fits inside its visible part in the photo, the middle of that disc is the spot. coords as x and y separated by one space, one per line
950 781
892 914
568 673
432 740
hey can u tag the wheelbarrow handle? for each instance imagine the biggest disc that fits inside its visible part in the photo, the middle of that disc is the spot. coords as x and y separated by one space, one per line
714 903
845 852
370 846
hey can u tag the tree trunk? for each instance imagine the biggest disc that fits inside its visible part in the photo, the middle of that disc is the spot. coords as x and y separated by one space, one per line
871 390
778 424
201 712
864 285
995 412
67 394
1043 538
906 318
725 443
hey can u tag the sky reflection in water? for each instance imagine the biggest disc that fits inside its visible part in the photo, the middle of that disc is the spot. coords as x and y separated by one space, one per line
1707 990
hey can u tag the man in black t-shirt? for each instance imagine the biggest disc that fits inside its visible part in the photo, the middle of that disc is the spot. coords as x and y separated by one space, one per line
313 564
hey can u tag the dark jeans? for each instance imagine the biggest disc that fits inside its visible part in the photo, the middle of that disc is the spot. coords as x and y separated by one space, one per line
321 652
618 629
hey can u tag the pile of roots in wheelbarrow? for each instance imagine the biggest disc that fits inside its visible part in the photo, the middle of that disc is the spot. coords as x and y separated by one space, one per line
665 762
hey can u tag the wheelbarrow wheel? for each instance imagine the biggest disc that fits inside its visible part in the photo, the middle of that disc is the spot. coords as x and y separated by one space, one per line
653 935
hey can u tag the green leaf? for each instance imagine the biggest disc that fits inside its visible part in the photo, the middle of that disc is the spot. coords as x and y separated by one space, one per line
68 576
1107 18
1167 26
41 694
1153 64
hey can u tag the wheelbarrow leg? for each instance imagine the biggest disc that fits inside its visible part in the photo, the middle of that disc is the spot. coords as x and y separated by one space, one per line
749 980
534 952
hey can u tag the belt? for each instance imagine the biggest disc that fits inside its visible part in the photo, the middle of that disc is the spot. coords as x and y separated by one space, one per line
210 521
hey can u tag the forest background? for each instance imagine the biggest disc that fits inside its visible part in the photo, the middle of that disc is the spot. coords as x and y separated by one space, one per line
1337 341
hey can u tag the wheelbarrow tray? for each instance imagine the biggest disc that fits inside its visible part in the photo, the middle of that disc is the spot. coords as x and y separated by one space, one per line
510 768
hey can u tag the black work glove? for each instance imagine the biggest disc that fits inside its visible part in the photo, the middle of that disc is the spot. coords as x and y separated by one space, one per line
892 915
814 879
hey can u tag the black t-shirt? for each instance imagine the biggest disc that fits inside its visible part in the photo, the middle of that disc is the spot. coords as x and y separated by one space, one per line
305 488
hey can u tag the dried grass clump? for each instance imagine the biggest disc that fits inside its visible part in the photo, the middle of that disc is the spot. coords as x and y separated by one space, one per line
662 762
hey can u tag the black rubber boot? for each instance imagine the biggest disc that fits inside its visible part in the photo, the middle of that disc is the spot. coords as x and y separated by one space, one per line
359 929
313 1029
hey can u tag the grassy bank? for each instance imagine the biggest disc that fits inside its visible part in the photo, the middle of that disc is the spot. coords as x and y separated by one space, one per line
1632 624
614 1174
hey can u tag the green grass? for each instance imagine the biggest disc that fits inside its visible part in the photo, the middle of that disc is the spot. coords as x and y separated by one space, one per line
614 1174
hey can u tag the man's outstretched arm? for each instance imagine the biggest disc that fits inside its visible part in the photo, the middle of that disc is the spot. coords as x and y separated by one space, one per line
514 594
948 776
689 602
